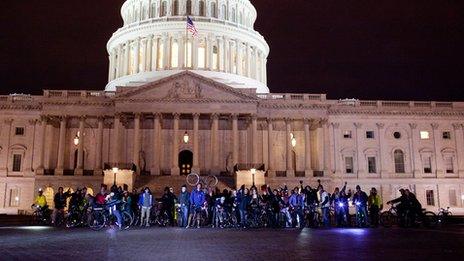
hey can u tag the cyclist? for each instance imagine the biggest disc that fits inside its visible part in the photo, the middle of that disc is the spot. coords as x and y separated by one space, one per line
360 201
145 203
415 206
197 200
402 207
340 201
375 205
245 199
60 203
219 211
41 201
101 196
325 205
184 202
293 206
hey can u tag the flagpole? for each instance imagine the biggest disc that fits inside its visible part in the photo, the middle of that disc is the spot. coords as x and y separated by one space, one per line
186 43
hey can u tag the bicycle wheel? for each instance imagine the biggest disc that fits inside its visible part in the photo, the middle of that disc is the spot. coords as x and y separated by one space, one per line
193 179
127 220
387 219
97 220
211 181
430 219
73 220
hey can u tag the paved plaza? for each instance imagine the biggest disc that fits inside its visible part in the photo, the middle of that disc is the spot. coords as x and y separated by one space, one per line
41 243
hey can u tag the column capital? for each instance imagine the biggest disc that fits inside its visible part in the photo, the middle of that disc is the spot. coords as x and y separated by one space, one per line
335 125
82 117
307 121
8 121
435 125
413 126
33 121
254 117
196 116
288 120
214 116
358 125
157 115
100 117
234 116
176 116
138 115
380 125
457 126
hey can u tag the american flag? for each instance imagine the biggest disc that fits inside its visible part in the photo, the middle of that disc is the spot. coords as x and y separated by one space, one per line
191 27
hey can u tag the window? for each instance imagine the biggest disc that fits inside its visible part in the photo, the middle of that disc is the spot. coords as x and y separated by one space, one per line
430 198
424 135
189 7
202 8
153 10
347 134
452 198
427 164
371 165
175 8
163 8
399 161
213 10
234 18
215 57
17 162
349 164
19 131
446 135
448 161
397 135
369 134
14 197
224 12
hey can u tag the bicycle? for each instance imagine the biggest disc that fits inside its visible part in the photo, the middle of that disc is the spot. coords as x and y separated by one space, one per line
194 179
41 215
103 216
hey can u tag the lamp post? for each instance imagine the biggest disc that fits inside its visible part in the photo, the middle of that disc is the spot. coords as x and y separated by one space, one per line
76 140
115 171
186 137
253 172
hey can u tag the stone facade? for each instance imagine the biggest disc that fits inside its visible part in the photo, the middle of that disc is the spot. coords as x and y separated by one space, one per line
163 121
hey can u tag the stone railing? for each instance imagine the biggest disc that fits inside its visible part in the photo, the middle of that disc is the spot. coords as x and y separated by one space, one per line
18 98
67 94
409 104
292 96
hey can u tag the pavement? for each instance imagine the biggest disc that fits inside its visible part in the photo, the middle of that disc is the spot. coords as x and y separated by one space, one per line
44 243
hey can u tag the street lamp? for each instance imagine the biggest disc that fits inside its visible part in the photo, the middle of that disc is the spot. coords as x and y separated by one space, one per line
76 140
186 138
253 172
115 171
293 142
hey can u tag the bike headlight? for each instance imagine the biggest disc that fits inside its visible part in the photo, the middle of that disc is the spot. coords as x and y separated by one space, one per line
358 203
341 204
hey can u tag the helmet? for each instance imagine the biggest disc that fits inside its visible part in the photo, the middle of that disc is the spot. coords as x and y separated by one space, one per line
40 190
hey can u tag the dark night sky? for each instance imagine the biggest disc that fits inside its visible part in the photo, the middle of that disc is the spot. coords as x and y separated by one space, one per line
400 50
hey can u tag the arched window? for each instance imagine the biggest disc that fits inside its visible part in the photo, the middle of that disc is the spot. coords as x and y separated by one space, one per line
213 10
175 8
233 14
224 12
202 8
144 13
399 161
189 7
153 10
164 9
240 17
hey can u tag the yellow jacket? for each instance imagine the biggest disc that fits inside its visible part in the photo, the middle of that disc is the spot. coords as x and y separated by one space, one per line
41 201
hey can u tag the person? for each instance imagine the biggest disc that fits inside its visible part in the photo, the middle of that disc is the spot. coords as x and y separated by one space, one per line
113 200
101 196
184 202
401 207
245 199
60 203
415 207
375 205
293 206
145 203
360 201
219 210
168 202
197 199
325 205
40 201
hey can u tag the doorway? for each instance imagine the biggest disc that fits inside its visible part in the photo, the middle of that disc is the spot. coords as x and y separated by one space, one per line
185 162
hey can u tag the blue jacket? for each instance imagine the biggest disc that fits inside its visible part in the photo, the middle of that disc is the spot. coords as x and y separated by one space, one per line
142 199
197 198
293 200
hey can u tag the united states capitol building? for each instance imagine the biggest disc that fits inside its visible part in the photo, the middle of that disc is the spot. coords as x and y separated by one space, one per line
177 103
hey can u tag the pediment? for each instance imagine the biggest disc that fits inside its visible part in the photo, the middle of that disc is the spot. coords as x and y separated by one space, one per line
184 86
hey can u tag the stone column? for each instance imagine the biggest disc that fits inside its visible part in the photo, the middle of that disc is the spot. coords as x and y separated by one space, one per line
111 64
307 150
195 53
336 157
80 148
459 138
149 48
181 50
325 147
382 152
143 55
239 56
196 151
154 55
137 145
209 53
248 60
119 62
254 138
126 59
235 139
137 55
157 144
175 171
166 57
288 144
438 156
214 143
61 146
415 157
43 132
360 170
116 144
99 147
270 149
230 66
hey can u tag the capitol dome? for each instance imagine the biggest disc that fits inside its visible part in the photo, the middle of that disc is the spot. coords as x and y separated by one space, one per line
154 43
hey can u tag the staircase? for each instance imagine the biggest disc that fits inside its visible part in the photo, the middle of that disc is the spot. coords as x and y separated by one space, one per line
158 183
15 220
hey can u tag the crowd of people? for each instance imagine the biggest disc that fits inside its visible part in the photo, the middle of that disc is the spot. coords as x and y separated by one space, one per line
300 206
